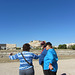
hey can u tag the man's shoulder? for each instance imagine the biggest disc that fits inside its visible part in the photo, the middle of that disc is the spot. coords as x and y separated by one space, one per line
44 50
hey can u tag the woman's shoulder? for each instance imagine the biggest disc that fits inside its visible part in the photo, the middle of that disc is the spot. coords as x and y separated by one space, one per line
27 52
30 53
51 50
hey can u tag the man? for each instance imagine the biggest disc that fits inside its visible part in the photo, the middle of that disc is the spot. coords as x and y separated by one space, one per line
43 53
50 60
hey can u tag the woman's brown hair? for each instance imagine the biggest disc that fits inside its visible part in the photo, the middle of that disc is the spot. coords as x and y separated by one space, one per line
26 47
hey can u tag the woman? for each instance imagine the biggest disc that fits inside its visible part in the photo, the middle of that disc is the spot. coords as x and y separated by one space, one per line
50 60
25 68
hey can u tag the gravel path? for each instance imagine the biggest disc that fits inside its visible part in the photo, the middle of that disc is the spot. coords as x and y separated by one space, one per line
65 66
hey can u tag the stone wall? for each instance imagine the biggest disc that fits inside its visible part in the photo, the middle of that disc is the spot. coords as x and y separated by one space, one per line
10 46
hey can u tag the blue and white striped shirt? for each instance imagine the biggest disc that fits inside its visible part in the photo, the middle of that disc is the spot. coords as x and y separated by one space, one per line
28 56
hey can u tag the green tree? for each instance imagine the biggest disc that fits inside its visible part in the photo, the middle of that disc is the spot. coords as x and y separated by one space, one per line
62 46
73 47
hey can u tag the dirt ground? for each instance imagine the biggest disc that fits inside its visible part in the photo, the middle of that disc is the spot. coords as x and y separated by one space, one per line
66 66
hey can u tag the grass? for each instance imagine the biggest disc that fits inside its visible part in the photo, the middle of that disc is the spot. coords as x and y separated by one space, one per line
6 59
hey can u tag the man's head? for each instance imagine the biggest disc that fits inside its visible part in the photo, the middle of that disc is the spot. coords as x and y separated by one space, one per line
43 44
48 45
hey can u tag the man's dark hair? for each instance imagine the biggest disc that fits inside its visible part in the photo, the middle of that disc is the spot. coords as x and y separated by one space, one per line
43 43
48 43
26 47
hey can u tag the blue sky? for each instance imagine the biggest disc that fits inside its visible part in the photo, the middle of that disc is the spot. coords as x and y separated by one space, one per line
22 21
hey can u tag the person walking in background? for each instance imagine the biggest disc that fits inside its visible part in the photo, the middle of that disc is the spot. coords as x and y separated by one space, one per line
50 60
43 53
25 58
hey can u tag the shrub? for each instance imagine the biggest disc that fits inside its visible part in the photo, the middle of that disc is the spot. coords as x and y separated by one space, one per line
17 48
55 47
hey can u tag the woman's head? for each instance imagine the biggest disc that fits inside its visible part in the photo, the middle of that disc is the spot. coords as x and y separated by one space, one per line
26 47
48 45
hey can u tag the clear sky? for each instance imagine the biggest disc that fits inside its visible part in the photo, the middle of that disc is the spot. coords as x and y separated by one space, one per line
22 21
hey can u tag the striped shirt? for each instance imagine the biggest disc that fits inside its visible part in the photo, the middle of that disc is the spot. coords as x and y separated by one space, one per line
28 56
